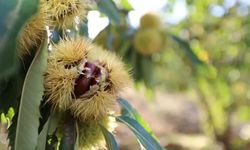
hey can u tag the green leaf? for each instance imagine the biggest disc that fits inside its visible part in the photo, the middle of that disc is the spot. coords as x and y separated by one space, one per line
187 49
126 5
49 128
13 15
134 61
110 39
12 90
53 142
3 118
54 120
11 112
124 48
147 141
49 131
129 111
42 138
109 8
28 115
83 29
109 138
147 69
12 131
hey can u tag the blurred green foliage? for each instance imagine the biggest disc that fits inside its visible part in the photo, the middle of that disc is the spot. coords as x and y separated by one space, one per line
208 53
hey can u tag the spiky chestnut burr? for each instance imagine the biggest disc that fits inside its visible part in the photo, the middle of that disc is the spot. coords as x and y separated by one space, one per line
84 78
150 20
90 134
64 13
148 41
33 32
